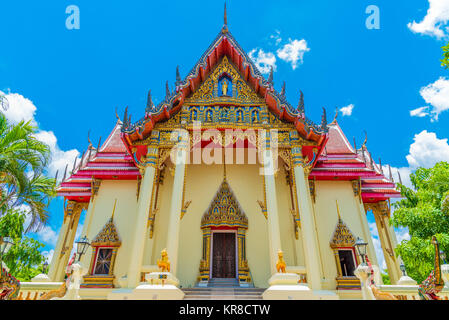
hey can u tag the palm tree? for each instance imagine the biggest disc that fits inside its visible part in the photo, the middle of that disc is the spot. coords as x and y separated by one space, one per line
23 159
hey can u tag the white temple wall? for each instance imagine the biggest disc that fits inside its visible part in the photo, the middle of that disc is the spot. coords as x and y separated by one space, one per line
286 223
202 183
327 192
124 219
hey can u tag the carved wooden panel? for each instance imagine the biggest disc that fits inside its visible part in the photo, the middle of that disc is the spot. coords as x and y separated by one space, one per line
223 260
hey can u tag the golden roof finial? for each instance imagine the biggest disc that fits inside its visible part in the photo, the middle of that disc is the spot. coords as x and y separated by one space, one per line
225 16
338 210
113 210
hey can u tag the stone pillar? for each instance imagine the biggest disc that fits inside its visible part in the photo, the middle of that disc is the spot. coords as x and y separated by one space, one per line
366 233
143 209
387 238
274 235
64 245
308 228
179 158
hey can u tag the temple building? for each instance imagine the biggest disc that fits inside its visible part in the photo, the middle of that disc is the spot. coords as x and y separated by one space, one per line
223 174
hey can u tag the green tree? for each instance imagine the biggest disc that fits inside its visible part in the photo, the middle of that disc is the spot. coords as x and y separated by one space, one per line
445 61
23 160
425 212
24 259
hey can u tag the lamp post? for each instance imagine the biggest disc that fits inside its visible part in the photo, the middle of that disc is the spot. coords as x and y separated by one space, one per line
81 247
402 267
45 267
361 245
5 244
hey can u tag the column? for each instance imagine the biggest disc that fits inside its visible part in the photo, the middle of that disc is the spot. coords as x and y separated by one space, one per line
61 255
366 232
380 211
308 232
180 160
143 209
274 235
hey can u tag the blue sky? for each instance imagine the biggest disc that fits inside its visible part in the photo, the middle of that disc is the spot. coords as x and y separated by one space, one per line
70 81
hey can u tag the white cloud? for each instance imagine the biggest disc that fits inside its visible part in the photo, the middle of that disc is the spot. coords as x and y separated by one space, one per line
263 60
402 234
48 235
419 112
276 37
437 95
347 111
59 158
434 23
48 255
426 150
293 52
21 108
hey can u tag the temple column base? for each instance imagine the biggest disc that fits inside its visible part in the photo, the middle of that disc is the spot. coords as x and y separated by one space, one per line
286 286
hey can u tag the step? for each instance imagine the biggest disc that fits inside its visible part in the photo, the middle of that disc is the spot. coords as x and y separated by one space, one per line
222 297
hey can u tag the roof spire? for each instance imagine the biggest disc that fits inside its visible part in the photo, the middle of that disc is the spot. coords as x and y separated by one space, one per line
149 102
399 175
225 18
301 107
324 120
65 173
178 76
116 115
167 89
99 144
336 116
270 77
88 138
380 166
391 175
283 89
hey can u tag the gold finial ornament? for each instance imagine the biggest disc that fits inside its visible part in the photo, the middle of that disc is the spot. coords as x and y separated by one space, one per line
280 264
338 210
113 210
164 264
225 16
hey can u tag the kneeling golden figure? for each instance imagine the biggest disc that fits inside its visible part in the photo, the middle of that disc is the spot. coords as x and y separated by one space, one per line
164 263
280 264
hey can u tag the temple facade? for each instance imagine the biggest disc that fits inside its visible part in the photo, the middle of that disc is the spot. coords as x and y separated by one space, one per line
223 174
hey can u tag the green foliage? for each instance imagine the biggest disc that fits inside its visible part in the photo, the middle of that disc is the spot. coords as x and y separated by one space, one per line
24 259
445 61
23 160
385 277
425 212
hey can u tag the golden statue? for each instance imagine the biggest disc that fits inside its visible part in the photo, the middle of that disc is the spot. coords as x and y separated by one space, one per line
224 88
280 264
164 263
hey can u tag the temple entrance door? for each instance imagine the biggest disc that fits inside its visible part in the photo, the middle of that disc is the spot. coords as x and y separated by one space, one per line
223 255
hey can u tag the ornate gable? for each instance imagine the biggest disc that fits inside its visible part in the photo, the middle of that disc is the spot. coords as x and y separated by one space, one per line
225 85
108 236
224 210
342 236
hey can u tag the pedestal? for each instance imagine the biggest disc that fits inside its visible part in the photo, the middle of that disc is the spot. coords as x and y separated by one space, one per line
286 286
159 286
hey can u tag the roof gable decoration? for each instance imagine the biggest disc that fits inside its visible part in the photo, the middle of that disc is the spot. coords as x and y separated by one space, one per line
108 236
217 87
342 236
224 210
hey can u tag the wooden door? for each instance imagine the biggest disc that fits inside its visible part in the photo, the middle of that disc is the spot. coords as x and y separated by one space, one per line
223 260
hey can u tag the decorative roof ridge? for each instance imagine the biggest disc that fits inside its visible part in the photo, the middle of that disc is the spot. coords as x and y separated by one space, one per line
202 62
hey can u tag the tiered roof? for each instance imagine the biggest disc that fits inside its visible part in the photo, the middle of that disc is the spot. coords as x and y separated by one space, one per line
340 161
110 161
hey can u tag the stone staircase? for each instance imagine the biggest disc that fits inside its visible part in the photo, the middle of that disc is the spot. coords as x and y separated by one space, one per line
223 289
